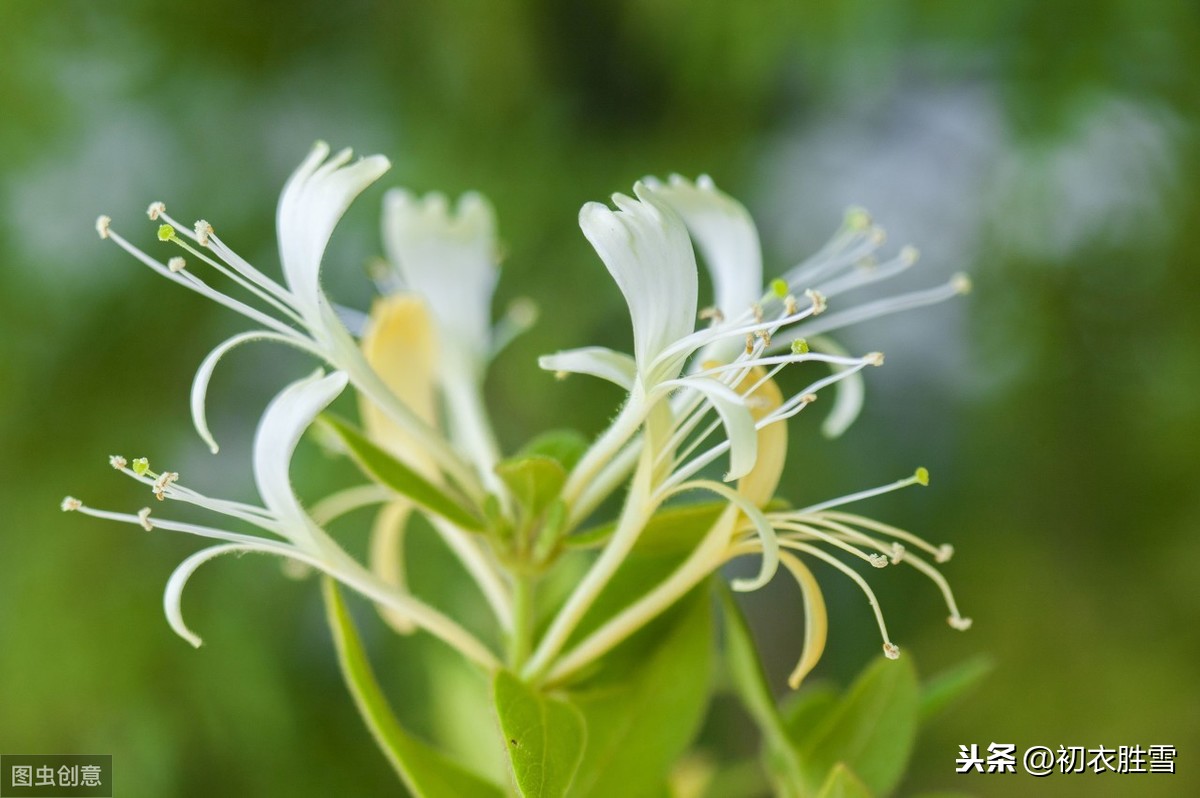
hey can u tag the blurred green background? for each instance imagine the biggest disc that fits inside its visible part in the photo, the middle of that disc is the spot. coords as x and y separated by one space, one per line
1047 148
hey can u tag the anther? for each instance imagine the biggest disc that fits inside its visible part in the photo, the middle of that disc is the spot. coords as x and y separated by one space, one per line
165 232
203 231
878 560
878 236
800 347
758 312
961 283
70 504
117 461
909 255
523 312
960 623
874 358
944 553
808 398
140 466
155 210
789 305
818 300
921 475
102 224
897 553
177 264
561 375
713 314
749 344
163 482
891 651
144 519
765 337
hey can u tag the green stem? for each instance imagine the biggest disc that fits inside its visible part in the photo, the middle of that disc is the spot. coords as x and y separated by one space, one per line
523 617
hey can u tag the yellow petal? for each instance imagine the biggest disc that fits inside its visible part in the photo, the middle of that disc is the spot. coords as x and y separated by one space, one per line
401 347
815 618
759 485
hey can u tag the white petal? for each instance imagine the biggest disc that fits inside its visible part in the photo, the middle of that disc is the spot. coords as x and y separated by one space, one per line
645 247
735 416
173 594
286 418
209 364
597 361
725 233
312 202
850 391
448 258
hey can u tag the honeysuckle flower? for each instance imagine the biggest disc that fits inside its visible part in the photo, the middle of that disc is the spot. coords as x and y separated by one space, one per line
663 431
290 531
313 200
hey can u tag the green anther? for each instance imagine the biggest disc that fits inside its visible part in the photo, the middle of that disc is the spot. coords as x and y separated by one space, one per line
165 232
779 287
799 347
922 475
140 466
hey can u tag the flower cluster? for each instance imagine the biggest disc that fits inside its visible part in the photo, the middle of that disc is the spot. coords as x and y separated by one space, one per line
702 400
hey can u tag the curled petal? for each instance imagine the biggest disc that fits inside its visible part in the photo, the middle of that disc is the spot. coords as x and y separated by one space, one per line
816 621
286 418
735 416
598 361
204 374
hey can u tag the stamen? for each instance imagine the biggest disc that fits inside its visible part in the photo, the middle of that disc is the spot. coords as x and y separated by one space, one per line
757 310
70 504
765 337
909 255
117 461
714 314
960 623
961 283
155 210
818 300
165 232
878 560
176 264
874 359
789 305
203 231
561 375
922 477
897 552
749 343
102 225
140 466
944 553
857 218
144 519
891 651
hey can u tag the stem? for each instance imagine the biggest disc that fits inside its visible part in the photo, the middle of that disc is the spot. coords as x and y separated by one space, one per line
467 549
523 611
606 446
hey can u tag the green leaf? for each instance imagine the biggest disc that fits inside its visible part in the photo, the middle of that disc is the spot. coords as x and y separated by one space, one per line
387 470
673 529
426 771
842 783
544 737
872 729
944 689
645 703
564 445
535 480
741 657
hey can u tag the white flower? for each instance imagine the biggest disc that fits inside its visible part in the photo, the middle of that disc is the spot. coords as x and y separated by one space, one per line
312 202
290 531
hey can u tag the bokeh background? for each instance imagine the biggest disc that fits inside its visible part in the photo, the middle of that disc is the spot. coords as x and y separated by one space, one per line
1047 148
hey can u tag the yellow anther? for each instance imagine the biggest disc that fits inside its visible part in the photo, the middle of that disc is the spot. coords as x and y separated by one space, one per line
749 344
102 224
818 300
891 651
874 358
144 519
155 210
713 314
117 461
70 504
